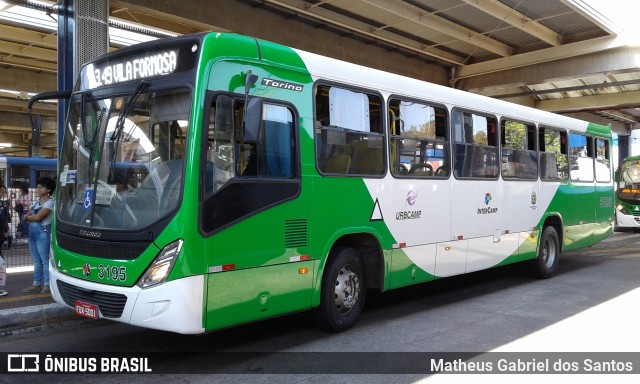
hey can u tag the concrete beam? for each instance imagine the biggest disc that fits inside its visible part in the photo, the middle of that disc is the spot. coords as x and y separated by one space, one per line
422 17
49 141
617 127
257 21
545 55
29 37
18 122
13 138
517 20
19 79
609 100
617 60
20 106
31 52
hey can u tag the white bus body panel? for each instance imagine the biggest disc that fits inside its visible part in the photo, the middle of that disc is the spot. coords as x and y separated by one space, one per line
627 221
464 240
174 306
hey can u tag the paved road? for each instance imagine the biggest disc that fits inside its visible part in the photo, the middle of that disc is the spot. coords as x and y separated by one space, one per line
590 306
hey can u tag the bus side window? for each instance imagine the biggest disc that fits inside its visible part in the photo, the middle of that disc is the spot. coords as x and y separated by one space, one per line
349 134
418 139
278 142
476 145
519 156
219 164
603 164
554 165
581 157
272 154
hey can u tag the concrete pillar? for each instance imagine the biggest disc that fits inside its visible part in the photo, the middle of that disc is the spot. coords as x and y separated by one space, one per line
83 35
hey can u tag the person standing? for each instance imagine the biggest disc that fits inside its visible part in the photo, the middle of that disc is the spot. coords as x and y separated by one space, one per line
23 202
5 211
4 229
4 232
39 218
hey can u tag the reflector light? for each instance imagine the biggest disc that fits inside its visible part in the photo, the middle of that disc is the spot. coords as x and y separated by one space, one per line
222 268
294 259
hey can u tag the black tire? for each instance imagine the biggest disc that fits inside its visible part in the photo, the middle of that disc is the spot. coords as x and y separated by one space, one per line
546 264
343 291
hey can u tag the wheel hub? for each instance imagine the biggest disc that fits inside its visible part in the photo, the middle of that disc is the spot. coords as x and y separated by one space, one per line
347 290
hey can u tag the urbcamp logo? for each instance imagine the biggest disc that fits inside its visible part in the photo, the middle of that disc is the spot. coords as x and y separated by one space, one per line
487 210
86 270
412 197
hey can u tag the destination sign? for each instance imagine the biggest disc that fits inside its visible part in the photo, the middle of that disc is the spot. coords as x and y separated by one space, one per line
128 69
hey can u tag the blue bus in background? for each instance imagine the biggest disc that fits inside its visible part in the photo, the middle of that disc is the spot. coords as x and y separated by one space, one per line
16 172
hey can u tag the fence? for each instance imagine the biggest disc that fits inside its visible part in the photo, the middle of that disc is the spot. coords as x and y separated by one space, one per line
18 256
15 250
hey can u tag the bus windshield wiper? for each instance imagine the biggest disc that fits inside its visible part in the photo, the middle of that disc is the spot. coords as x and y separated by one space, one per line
142 86
124 112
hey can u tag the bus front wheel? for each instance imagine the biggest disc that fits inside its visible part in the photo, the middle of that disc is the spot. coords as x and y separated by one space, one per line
545 265
342 292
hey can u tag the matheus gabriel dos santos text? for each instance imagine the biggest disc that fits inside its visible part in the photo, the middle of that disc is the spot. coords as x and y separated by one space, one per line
535 365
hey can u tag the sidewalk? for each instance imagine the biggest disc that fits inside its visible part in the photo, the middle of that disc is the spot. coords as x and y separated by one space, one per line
21 311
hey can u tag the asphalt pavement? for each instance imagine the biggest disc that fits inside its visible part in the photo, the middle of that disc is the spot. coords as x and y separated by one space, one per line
23 312
20 312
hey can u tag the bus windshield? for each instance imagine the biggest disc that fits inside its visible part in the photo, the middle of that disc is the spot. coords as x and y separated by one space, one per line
629 181
122 157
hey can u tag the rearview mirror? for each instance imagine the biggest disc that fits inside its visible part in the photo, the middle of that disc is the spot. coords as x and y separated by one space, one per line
36 124
252 120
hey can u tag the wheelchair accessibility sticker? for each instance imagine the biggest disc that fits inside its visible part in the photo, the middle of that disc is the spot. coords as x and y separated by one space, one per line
88 198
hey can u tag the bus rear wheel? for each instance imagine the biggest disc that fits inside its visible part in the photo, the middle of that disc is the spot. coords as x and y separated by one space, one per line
342 292
546 264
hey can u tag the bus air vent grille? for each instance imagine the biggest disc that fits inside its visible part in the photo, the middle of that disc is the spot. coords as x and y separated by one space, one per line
295 233
110 304
129 250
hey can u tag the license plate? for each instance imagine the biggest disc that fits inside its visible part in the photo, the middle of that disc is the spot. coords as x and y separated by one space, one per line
87 310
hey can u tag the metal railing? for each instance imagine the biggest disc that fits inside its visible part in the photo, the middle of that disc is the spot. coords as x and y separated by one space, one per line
15 249
18 256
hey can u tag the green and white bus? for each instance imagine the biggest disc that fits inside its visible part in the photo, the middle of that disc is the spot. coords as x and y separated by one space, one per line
628 194
212 180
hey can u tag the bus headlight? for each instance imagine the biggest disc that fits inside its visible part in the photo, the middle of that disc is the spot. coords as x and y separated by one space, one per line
161 267
622 209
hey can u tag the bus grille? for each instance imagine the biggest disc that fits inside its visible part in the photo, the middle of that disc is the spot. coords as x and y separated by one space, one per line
295 233
110 304
102 249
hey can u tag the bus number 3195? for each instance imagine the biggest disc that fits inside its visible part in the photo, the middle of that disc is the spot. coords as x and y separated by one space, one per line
112 273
